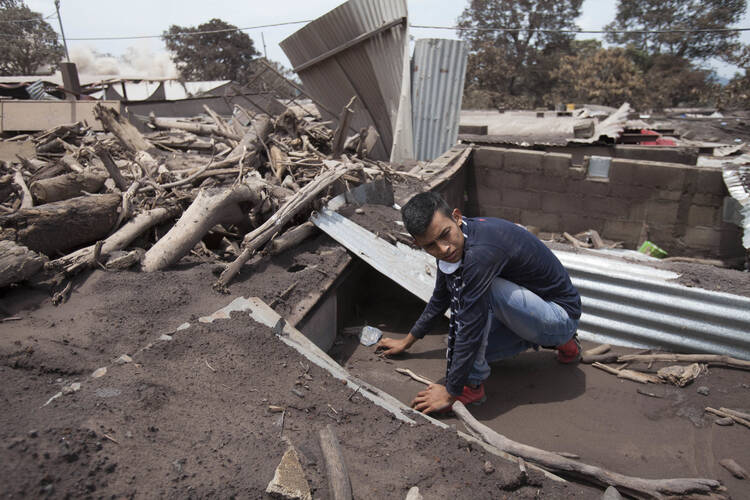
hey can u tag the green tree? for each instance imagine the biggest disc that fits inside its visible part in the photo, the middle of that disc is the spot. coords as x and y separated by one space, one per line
736 94
665 15
217 51
675 81
516 64
597 75
29 42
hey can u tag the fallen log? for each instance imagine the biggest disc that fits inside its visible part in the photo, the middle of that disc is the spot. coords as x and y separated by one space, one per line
600 349
710 359
732 466
67 186
123 130
112 168
339 484
736 413
27 200
18 263
723 413
254 140
295 204
634 486
635 376
339 136
211 207
118 240
292 237
189 126
62 225
278 161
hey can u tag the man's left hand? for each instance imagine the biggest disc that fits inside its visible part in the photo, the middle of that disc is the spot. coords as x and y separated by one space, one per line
434 398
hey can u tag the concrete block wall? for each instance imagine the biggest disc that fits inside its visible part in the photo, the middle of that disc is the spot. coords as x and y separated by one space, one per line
677 206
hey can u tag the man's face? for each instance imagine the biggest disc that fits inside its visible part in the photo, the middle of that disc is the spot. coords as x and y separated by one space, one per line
443 238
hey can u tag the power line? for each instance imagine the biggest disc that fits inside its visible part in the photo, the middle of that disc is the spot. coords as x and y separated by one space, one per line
453 28
189 33
37 19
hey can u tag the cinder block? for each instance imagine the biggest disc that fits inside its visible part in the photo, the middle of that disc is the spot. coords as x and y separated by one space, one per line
660 175
526 162
528 200
557 203
498 178
622 230
574 223
656 211
666 194
545 222
621 171
556 164
488 157
488 195
702 237
589 187
704 216
546 183
711 181
634 193
708 199
507 213
606 206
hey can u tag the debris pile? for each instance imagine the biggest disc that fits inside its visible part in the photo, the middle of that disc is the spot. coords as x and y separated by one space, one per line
109 199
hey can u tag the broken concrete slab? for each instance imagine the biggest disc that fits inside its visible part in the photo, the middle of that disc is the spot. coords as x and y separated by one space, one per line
289 480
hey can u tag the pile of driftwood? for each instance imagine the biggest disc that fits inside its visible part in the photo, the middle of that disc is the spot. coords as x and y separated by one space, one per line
220 189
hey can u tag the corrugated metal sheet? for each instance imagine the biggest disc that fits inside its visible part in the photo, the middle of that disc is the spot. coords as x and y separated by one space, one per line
438 72
373 70
737 178
523 128
633 305
623 303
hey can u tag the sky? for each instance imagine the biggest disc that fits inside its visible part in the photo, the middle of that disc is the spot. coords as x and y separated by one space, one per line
107 18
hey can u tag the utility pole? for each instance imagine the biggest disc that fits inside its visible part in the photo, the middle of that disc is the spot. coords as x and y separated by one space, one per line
265 54
59 19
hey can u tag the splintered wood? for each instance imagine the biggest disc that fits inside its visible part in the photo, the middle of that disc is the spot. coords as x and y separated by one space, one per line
220 187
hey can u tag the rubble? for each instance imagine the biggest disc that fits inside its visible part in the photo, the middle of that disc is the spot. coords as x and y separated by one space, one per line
91 199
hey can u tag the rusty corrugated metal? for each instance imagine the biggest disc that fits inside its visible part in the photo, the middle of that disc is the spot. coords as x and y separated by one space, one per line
438 71
375 70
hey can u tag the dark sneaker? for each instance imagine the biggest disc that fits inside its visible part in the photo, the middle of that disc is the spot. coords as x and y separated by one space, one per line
473 396
570 351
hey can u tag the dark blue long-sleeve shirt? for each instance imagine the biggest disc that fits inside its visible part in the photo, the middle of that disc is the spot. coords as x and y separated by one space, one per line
492 248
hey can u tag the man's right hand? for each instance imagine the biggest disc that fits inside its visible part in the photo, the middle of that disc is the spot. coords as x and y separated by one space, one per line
388 346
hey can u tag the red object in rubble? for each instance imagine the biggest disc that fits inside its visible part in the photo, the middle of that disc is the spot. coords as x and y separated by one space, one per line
658 142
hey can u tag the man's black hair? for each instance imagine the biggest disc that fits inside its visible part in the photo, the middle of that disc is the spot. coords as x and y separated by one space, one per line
418 211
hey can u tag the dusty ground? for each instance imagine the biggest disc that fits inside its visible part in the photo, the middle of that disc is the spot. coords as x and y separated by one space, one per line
577 409
188 417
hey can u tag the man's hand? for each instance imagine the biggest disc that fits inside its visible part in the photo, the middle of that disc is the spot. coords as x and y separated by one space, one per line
434 398
388 346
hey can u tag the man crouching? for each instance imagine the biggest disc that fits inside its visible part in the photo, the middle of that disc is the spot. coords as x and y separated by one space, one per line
506 290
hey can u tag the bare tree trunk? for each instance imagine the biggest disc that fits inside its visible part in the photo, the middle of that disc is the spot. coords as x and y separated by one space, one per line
118 240
292 238
67 186
17 262
339 484
211 207
634 486
294 205
192 127
62 225
123 130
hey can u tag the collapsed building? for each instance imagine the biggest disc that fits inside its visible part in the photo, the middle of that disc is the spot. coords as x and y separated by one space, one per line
299 220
